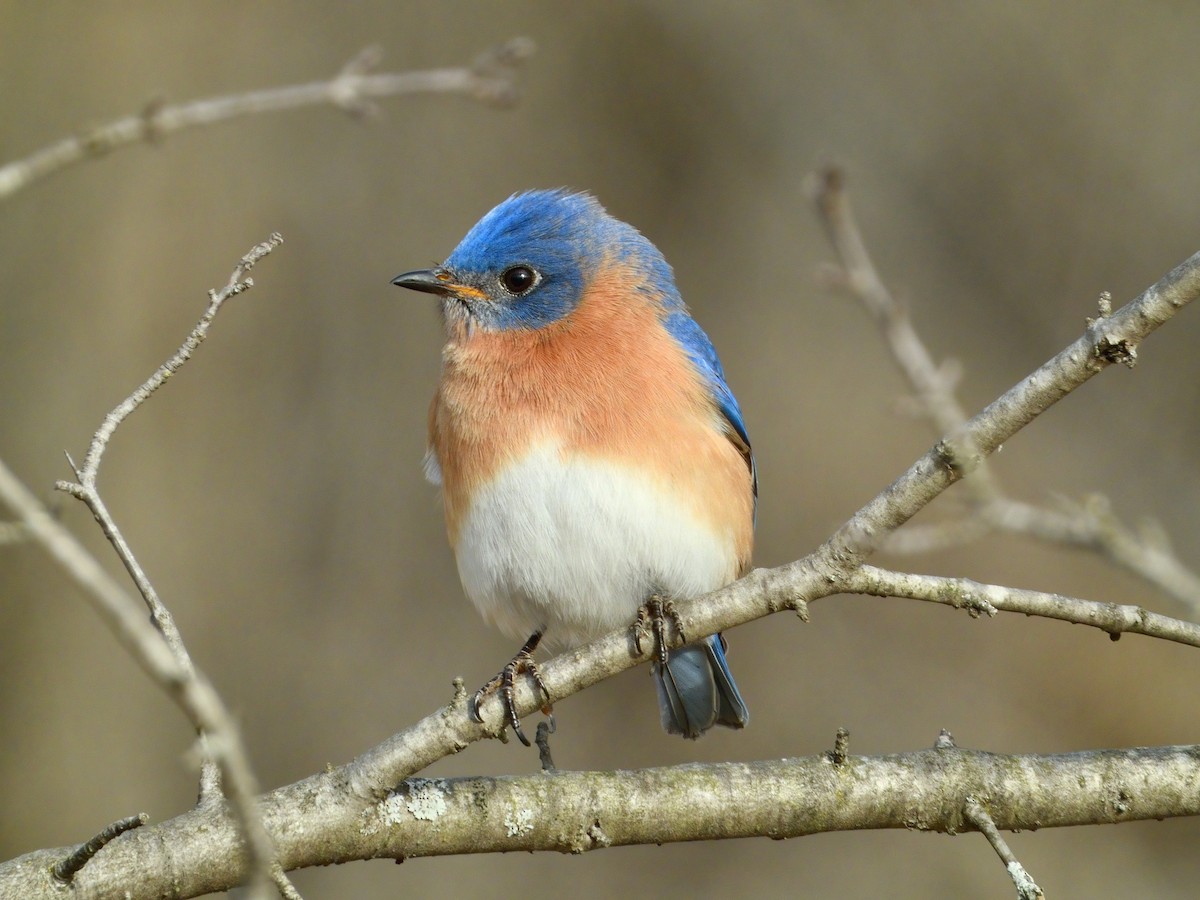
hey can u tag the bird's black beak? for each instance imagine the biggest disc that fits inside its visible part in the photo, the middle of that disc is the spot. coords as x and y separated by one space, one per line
430 281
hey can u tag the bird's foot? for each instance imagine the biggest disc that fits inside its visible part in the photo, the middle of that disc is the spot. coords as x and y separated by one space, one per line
504 682
652 620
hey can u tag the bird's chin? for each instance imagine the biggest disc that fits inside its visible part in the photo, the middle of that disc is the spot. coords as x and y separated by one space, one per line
461 323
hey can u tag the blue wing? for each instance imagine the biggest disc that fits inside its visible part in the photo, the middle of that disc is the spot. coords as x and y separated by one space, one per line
700 350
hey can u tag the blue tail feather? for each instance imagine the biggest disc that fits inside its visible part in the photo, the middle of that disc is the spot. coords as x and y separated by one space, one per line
696 690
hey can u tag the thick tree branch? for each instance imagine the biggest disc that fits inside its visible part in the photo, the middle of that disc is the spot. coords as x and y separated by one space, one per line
574 812
491 79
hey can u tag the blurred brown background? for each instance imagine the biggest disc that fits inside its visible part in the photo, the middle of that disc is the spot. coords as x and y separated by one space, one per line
1008 162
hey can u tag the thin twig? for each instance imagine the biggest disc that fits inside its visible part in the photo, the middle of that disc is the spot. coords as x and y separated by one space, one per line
491 79
1027 888
85 487
66 869
238 282
934 384
283 884
1091 526
223 751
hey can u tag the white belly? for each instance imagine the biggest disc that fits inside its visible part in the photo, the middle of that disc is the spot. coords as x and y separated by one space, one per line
574 546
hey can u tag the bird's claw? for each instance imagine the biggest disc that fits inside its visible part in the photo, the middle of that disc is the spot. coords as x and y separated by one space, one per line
504 682
652 619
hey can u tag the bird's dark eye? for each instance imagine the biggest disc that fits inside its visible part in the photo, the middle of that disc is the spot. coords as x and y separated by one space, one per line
518 279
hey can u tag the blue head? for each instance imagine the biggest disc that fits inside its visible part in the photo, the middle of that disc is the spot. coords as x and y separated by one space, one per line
528 262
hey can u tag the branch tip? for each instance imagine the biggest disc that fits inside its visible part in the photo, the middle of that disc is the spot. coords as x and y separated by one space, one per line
64 872
151 119
74 468
545 728
944 741
495 71
841 747
460 693
826 185
368 58
509 54
70 487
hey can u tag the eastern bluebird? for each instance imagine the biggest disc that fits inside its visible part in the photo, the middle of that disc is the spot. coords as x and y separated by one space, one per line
593 461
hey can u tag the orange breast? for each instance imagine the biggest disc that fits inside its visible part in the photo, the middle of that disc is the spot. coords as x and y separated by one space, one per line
607 381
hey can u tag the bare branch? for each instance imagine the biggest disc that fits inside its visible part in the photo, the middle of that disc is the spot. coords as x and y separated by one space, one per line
1027 888
238 282
925 790
491 79
223 751
988 599
934 384
1091 526
85 487
1016 408
576 812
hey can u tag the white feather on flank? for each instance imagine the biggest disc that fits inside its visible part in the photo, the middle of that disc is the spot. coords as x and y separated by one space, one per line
433 468
575 545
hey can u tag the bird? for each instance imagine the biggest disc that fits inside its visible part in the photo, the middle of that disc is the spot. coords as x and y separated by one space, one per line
593 461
